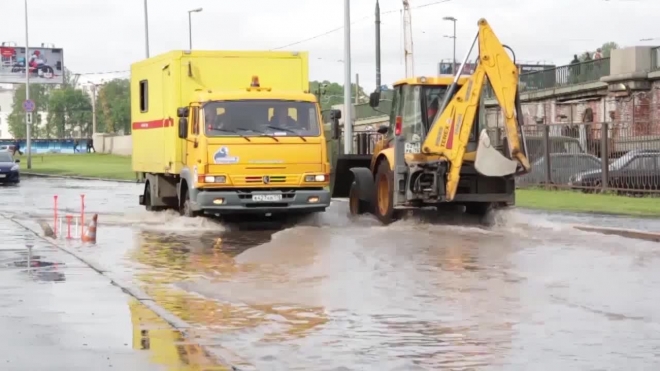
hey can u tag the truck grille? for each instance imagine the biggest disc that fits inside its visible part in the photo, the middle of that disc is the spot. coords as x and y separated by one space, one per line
275 180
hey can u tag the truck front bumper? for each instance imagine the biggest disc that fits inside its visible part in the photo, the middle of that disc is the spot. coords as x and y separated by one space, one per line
236 202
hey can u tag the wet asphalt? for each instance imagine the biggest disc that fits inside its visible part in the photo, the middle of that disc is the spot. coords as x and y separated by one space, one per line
331 293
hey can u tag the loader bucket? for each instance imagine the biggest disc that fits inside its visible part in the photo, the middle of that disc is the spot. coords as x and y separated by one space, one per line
342 177
490 161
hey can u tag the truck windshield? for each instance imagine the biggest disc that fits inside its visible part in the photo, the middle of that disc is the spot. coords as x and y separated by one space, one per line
259 117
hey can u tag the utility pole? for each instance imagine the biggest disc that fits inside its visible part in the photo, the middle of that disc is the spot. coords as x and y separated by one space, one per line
93 89
378 81
28 123
348 106
453 61
357 88
190 12
146 28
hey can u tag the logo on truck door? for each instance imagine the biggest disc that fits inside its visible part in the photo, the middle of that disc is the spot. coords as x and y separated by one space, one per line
222 157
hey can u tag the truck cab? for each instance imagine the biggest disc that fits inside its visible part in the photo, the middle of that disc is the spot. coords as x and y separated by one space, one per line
253 151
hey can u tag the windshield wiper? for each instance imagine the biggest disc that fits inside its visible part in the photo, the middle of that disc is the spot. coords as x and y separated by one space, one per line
237 133
260 132
287 130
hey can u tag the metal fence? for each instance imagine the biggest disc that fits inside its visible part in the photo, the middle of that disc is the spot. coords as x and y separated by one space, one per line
561 76
592 157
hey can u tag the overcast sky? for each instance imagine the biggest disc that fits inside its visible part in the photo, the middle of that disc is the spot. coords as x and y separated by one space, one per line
101 36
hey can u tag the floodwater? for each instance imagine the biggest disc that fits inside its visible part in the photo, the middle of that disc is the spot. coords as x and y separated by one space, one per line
334 293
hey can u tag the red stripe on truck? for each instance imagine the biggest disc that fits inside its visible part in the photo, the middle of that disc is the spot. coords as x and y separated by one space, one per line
155 124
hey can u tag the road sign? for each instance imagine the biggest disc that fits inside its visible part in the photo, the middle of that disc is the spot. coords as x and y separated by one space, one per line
28 105
28 118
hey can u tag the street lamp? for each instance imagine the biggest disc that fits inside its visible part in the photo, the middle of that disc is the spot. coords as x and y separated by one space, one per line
452 19
146 28
190 12
28 115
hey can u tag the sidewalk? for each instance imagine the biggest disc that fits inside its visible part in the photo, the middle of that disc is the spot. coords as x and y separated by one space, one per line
63 315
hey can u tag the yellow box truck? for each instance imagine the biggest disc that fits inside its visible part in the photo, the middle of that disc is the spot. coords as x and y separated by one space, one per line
228 132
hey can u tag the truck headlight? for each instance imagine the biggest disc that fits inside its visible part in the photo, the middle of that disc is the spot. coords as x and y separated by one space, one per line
315 178
215 179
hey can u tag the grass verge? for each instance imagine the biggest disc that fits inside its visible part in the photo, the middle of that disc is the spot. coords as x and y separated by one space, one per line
92 165
587 203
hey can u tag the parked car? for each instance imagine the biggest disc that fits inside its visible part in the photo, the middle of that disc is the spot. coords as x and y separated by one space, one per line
7 148
562 167
9 169
637 169
558 144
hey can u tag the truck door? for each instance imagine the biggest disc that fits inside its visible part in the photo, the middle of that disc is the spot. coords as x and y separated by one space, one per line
193 158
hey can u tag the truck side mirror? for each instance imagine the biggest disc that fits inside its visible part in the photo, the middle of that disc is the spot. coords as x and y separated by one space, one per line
335 115
374 99
182 112
183 127
383 129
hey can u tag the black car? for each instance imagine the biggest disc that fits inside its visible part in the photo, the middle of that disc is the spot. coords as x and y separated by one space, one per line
9 169
636 170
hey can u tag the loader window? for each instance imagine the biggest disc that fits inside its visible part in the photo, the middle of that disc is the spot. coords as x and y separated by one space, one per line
144 96
412 124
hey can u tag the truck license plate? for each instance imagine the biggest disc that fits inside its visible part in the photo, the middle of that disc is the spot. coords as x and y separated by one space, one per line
266 198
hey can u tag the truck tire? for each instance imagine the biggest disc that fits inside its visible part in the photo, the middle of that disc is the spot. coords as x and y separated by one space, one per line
186 209
384 208
355 205
147 200
478 208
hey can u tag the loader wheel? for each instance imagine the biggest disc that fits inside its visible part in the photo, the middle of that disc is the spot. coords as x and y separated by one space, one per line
355 205
185 209
384 209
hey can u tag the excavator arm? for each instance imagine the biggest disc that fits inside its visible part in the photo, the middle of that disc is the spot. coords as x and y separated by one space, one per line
450 132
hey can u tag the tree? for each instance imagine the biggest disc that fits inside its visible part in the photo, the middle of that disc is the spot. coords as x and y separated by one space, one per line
334 93
114 107
608 47
16 119
70 110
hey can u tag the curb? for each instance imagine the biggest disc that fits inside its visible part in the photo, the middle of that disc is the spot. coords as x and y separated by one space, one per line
177 323
627 233
41 175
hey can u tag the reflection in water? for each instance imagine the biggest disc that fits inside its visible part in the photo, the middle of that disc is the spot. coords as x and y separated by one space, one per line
168 347
37 268
407 303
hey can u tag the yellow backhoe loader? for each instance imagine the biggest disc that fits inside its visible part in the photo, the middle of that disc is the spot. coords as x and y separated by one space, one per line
432 154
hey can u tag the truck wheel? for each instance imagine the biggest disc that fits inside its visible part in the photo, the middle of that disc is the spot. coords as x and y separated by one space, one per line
185 209
478 208
384 209
355 205
147 200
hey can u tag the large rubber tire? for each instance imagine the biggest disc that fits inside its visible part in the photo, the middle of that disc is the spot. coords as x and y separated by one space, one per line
147 200
384 208
185 209
355 205
478 208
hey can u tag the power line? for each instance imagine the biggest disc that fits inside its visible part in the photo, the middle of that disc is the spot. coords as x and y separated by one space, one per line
357 21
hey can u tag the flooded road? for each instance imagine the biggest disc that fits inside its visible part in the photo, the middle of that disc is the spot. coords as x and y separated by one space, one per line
338 294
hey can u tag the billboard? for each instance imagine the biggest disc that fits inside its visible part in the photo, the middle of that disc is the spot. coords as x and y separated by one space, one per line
527 68
45 65
445 68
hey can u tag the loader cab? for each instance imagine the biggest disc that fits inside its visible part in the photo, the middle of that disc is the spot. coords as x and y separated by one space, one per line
416 104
